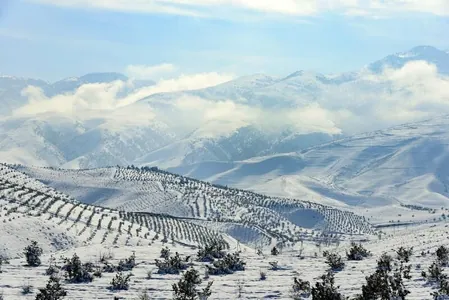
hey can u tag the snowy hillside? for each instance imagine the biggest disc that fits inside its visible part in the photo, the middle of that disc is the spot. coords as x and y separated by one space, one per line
404 165
249 217
244 143
32 210
68 141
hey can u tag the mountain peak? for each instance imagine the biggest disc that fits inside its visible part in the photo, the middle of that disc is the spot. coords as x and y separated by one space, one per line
102 77
426 53
257 80
420 51
424 49
326 79
294 74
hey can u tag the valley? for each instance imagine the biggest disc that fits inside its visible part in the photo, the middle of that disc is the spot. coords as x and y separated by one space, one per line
304 186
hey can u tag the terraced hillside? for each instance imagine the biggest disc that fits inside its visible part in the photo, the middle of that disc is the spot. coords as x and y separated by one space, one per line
247 216
31 210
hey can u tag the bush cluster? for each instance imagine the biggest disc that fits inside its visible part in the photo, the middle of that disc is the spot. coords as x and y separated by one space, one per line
76 271
211 252
171 265
334 261
357 252
229 264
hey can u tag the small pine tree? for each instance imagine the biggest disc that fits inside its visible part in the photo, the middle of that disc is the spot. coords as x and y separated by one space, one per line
165 253
326 290
442 255
53 290
377 286
435 272
397 286
32 254
384 262
334 261
357 252
75 271
300 289
52 268
120 281
404 254
186 288
205 293
384 285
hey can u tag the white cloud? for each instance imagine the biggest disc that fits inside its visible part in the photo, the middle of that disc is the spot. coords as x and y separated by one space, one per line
417 90
313 118
181 83
285 7
137 6
105 96
221 117
211 118
150 72
395 96
437 7
96 96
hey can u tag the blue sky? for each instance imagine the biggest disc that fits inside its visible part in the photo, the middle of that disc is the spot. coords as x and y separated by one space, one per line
53 39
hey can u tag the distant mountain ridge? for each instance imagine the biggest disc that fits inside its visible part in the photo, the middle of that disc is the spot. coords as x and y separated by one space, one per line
103 140
402 166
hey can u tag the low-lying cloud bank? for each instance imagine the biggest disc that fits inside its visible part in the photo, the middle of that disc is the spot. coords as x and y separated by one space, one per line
373 101
106 96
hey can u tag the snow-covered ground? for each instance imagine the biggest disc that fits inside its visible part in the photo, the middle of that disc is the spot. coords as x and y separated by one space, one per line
276 286
32 210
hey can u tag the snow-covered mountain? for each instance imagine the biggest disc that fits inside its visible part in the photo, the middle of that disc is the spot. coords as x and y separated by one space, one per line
429 54
401 166
265 116
62 140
